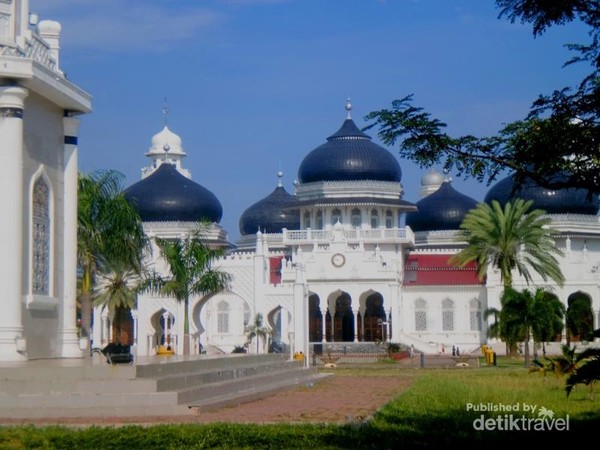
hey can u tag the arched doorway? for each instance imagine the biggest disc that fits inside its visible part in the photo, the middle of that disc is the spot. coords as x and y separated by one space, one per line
343 320
315 319
163 325
579 318
374 330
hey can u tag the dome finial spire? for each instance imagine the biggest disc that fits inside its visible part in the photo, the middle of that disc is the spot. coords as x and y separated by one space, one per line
348 108
279 176
165 111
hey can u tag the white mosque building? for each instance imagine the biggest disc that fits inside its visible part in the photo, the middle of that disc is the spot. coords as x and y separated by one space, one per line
344 260
38 141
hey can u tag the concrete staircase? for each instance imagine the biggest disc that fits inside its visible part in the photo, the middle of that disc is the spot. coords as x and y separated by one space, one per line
158 387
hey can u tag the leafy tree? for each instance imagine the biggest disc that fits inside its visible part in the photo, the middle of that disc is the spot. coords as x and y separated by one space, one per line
509 238
191 272
559 136
109 229
257 330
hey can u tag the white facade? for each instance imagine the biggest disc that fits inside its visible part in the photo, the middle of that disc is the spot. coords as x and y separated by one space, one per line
350 274
38 140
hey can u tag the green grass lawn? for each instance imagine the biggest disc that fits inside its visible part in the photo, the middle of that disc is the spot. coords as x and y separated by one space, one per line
437 410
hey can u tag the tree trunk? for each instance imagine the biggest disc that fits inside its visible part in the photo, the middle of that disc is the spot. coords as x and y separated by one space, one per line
86 317
526 349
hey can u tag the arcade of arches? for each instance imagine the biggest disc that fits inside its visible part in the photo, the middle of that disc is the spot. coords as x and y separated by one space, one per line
341 324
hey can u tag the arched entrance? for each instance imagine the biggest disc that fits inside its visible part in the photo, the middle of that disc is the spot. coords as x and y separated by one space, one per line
343 320
315 319
374 319
163 323
579 318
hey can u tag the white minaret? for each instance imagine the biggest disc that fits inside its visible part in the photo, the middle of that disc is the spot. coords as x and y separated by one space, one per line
165 147
431 182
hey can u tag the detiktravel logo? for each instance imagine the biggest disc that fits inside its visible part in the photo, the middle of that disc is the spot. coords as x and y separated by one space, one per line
516 417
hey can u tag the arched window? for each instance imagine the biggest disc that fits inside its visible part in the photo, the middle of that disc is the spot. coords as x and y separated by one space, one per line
223 317
41 238
389 219
356 218
306 220
475 315
319 220
448 315
420 315
336 216
374 219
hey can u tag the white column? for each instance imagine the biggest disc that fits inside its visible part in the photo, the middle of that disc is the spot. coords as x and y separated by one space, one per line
355 318
323 324
70 340
12 100
301 314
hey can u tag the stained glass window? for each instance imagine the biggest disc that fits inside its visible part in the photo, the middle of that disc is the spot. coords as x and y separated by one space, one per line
475 315
448 315
41 238
223 317
420 315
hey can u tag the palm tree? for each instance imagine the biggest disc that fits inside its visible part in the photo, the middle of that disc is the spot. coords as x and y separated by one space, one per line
108 228
257 330
116 289
587 371
526 314
190 262
509 238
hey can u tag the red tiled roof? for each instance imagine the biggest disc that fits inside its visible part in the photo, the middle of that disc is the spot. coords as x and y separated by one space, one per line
435 270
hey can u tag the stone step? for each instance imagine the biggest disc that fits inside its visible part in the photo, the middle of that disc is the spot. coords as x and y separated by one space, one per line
87 399
253 392
96 412
105 386
78 371
195 393
160 387
224 374
173 365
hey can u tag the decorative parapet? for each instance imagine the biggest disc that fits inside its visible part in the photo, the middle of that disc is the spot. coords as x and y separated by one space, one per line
378 235
35 49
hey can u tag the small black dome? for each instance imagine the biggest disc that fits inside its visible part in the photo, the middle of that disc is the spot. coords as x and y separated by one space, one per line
445 209
349 155
167 195
561 201
268 215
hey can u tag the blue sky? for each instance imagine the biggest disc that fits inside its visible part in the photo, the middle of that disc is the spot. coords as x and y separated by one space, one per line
253 86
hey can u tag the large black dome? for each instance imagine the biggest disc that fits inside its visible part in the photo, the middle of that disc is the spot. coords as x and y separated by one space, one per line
561 201
349 155
269 216
167 195
445 209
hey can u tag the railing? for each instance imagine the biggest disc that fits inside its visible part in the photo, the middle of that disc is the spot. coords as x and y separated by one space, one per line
35 48
354 234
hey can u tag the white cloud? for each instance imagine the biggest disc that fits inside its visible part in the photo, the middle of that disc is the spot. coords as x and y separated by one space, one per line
107 25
